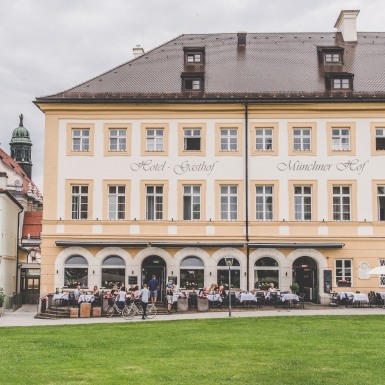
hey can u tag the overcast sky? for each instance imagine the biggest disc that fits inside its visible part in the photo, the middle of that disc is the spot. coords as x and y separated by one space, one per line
47 46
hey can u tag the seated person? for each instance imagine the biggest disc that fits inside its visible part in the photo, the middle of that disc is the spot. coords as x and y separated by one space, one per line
135 292
222 292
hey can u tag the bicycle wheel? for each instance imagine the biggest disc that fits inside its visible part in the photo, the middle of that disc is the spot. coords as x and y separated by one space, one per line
128 312
110 311
151 312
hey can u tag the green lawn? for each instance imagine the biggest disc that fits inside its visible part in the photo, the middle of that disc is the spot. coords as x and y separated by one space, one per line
273 350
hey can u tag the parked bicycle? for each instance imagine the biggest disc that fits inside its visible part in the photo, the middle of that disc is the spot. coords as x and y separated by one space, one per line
130 311
113 308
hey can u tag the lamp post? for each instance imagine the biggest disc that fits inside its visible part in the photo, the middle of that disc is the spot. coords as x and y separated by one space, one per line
32 254
229 263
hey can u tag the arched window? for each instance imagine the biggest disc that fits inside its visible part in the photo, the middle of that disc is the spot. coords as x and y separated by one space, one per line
76 272
223 274
113 272
192 273
266 273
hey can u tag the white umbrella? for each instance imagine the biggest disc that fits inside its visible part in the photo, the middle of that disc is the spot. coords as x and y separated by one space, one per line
378 270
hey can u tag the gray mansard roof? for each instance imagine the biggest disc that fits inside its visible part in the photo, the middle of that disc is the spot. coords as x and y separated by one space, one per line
270 67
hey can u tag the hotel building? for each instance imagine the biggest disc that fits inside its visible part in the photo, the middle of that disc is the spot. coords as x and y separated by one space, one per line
265 147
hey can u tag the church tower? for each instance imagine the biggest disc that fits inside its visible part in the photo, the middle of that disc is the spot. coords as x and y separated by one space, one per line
21 146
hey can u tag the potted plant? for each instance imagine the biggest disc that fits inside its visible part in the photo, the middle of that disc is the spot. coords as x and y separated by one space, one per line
2 298
294 287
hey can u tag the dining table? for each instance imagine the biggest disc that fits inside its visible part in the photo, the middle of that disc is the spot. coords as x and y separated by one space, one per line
86 298
247 298
214 298
289 298
360 299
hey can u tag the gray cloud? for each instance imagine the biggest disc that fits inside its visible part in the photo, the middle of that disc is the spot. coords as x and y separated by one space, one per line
47 46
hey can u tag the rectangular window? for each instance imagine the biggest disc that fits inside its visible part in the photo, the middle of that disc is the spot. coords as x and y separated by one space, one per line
332 57
381 202
116 202
341 83
79 201
192 139
154 202
229 203
192 84
343 272
191 203
264 139
302 203
341 139
117 139
154 139
229 139
380 139
264 203
302 139
193 57
80 139
341 203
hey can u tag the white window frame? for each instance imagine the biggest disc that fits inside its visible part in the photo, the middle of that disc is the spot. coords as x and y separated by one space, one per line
229 139
79 201
229 202
81 139
264 139
380 134
263 199
341 139
341 83
346 272
382 276
191 202
302 139
192 133
303 203
380 198
154 139
154 202
117 139
117 202
340 201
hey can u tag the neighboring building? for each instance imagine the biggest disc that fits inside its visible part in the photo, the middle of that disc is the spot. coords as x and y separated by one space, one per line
20 223
265 147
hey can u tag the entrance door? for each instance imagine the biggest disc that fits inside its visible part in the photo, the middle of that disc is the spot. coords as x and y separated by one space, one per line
30 286
305 273
155 265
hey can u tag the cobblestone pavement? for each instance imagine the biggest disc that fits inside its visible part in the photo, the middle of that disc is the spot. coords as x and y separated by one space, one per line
25 315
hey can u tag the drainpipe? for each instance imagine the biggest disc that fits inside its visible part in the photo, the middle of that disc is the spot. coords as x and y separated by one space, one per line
247 191
17 251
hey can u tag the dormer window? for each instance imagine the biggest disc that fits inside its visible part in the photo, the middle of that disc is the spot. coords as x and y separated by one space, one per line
330 55
339 81
194 55
333 57
192 81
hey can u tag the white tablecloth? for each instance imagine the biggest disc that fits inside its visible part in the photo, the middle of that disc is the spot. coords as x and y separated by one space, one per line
86 298
60 296
360 298
214 297
247 297
381 293
289 297
343 294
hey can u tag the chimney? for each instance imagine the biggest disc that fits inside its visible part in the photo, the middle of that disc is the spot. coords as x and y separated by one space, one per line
241 39
138 51
346 24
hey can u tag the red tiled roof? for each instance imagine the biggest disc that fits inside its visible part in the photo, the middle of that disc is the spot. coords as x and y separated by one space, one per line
271 66
32 224
13 165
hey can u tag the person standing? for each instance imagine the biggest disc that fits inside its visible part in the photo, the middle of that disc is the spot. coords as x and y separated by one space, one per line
144 295
153 286
170 296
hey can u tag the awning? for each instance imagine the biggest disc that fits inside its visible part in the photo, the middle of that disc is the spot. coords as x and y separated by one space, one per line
297 245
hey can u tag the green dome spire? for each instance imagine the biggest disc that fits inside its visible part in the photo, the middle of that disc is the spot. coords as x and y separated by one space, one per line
20 134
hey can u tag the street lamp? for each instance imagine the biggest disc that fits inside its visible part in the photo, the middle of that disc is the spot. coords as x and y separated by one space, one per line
32 254
229 263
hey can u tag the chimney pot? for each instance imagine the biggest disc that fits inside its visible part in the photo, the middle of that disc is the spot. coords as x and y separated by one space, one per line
138 51
347 25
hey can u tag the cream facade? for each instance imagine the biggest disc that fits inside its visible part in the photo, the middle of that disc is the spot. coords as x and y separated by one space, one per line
204 148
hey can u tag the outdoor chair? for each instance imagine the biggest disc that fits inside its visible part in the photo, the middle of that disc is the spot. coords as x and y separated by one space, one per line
193 300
